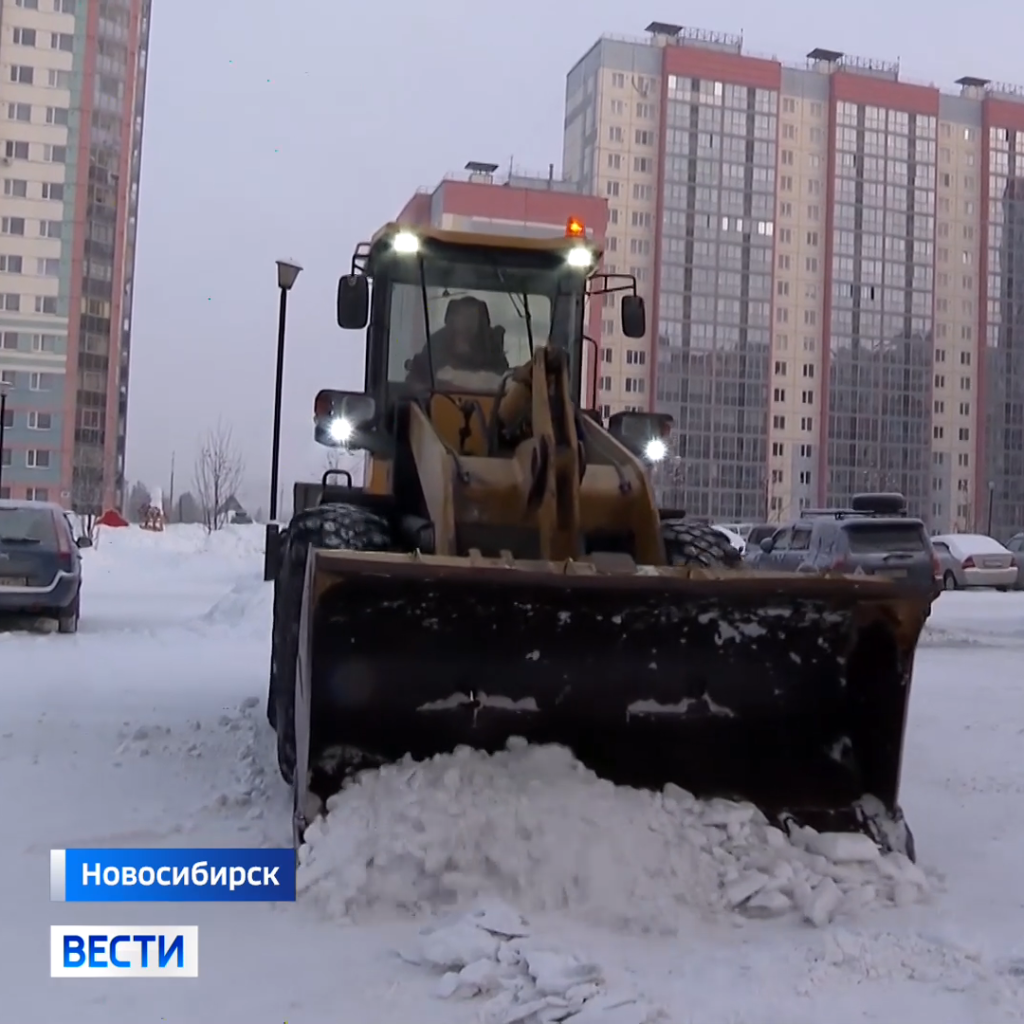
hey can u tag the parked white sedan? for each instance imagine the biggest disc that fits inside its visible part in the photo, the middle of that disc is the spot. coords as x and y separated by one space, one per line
974 560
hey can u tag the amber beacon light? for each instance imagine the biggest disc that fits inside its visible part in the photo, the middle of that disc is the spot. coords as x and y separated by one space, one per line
574 228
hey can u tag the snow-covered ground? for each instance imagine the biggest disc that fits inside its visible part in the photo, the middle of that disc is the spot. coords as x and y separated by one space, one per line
555 892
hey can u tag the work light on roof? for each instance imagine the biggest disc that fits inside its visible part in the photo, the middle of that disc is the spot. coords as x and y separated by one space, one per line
406 243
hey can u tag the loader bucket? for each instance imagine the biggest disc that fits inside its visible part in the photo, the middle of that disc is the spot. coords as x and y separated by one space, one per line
789 691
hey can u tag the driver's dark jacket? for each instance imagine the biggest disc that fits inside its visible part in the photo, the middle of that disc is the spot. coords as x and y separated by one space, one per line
486 356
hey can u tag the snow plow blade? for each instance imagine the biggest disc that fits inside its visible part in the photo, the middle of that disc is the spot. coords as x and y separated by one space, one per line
788 691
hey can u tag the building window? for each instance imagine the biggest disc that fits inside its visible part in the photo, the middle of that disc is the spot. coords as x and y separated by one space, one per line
779 423
19 112
11 264
618 80
16 187
57 115
50 228
806 422
643 164
55 154
39 420
46 304
58 79
10 302
614 161
62 41
614 133
16 150
39 382
9 340
37 458
635 385
48 267
37 494
635 357
643 137
21 74
611 188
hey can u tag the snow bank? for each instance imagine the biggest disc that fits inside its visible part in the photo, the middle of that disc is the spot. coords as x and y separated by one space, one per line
237 542
532 825
247 607
976 618
490 953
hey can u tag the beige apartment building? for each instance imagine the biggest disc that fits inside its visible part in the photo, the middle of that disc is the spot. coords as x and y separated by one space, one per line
828 253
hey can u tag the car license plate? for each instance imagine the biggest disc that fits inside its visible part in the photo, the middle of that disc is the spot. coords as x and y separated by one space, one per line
896 574
13 581
993 563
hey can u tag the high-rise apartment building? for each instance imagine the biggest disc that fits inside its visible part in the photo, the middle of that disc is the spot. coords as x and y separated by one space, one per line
72 88
524 205
833 260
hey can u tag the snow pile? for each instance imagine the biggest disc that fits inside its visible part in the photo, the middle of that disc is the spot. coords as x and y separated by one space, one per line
234 542
490 953
247 607
976 619
532 825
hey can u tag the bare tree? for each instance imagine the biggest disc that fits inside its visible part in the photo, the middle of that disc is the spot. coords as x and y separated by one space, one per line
216 475
87 494
138 499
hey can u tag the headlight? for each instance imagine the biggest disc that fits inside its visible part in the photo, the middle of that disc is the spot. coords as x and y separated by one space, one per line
340 430
656 450
406 242
581 257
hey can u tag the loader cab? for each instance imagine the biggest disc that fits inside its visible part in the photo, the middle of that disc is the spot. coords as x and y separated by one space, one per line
451 313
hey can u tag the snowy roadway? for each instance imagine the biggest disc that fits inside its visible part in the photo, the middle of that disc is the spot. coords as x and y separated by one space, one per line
147 729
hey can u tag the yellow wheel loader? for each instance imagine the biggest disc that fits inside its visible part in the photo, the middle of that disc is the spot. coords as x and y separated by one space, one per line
505 570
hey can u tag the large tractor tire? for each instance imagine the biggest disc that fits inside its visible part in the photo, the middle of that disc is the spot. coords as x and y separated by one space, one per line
334 527
692 543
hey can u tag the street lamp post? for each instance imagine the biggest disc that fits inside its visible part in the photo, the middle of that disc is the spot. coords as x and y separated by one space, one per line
991 502
4 387
287 273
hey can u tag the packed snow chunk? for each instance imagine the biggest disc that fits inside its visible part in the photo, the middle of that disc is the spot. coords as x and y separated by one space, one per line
457 945
521 981
531 825
844 847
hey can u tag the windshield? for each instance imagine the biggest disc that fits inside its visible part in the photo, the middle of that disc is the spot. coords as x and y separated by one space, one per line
482 318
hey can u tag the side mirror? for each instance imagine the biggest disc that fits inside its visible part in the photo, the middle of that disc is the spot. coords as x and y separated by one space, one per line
644 433
634 316
84 542
353 302
767 544
341 418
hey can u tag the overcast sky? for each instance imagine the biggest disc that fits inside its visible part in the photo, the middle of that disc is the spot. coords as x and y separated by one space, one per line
297 127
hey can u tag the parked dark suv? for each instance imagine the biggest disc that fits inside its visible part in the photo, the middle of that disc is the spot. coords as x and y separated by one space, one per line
875 536
40 566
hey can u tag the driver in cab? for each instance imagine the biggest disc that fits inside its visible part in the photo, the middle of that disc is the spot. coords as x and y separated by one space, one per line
467 342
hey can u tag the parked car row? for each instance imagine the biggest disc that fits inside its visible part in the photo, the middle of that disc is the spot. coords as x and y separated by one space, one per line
40 563
876 537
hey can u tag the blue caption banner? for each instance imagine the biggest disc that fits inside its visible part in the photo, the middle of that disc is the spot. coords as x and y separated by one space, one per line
172 876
